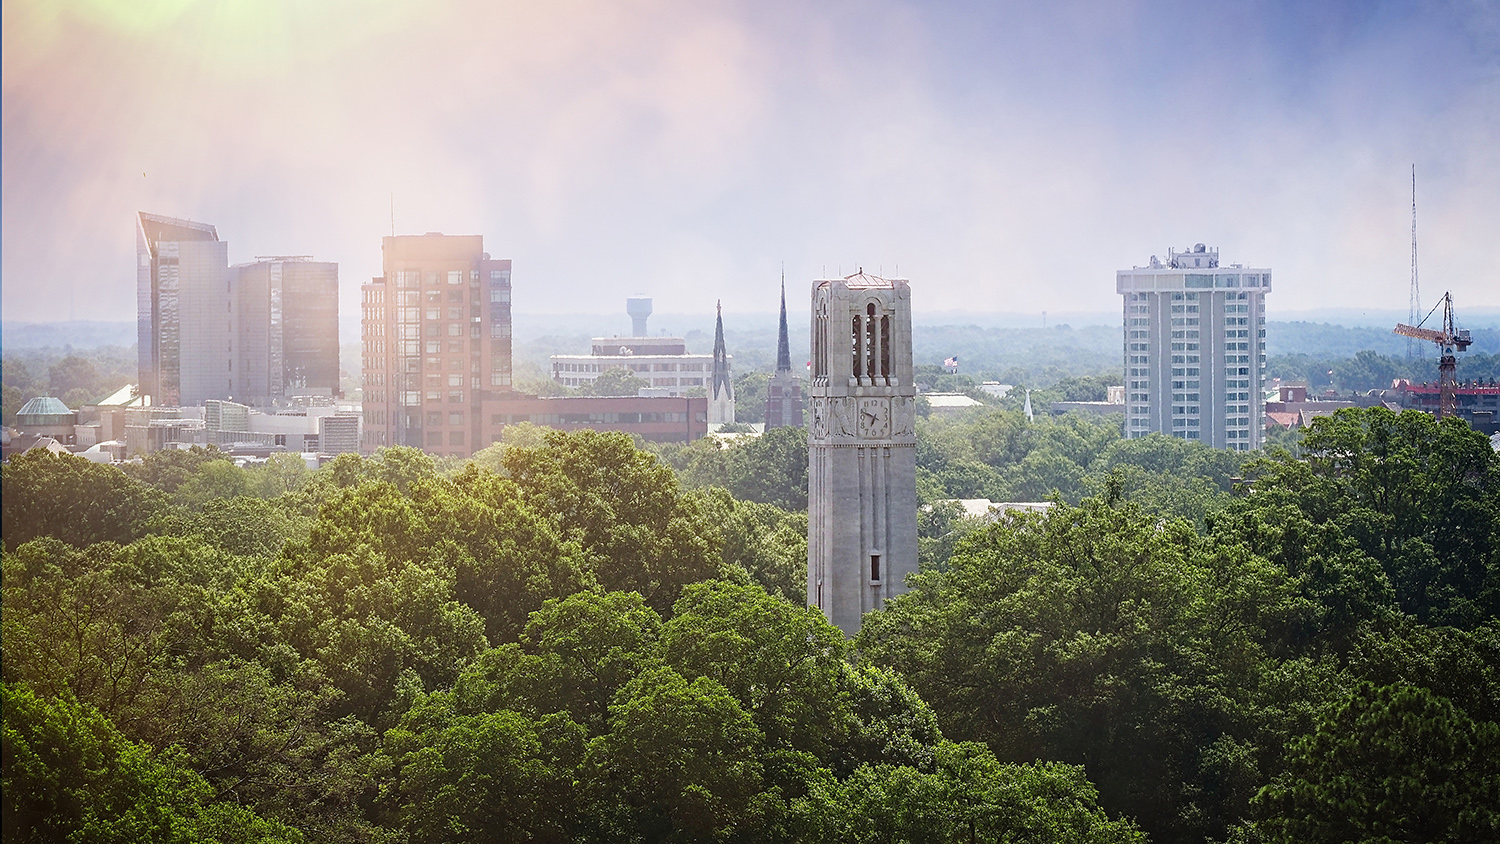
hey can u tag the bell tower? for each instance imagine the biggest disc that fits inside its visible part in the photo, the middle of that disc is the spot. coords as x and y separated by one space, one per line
862 447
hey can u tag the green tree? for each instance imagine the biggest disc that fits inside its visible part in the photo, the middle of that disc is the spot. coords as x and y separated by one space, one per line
750 396
1391 763
280 474
72 499
637 532
1401 505
171 468
69 775
770 468
488 777
679 762
967 795
73 374
781 661
1102 636
769 543
617 381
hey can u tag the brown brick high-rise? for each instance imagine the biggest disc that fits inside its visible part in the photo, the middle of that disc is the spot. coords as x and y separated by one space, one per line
437 343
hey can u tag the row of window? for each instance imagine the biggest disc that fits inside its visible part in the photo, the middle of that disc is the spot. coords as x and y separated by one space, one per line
655 382
596 418
413 278
633 367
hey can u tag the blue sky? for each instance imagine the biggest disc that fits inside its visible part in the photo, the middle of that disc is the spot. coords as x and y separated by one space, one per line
1003 156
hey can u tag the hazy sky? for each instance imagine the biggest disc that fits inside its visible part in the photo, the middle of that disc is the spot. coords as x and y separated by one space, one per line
1007 156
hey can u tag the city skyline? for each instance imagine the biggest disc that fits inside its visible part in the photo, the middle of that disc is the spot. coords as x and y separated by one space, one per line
1012 158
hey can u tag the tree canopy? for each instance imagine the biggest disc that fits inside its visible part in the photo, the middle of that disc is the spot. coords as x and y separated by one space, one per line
569 638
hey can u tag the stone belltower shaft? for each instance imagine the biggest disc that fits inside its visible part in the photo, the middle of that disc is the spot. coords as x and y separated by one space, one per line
862 497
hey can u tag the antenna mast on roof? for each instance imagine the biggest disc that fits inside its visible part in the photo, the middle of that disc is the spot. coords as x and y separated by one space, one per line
1416 297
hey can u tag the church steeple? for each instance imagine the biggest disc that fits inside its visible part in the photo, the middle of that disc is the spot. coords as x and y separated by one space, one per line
721 386
783 346
784 390
722 382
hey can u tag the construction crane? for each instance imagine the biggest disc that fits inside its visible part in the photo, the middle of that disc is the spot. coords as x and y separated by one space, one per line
1450 342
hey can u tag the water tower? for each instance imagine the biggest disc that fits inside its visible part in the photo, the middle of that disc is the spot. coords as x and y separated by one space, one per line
639 307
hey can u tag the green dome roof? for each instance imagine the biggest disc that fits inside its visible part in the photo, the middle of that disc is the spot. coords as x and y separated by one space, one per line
44 406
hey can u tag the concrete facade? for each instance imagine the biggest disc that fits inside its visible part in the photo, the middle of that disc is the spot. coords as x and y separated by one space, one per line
1195 349
862 496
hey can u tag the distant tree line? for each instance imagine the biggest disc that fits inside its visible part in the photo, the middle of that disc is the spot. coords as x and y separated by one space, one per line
1367 370
77 378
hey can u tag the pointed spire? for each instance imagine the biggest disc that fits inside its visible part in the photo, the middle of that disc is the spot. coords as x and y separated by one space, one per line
783 347
721 357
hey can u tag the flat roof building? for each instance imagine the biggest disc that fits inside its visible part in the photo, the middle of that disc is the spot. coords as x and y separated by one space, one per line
254 333
662 362
677 419
289 328
1195 349
186 323
436 339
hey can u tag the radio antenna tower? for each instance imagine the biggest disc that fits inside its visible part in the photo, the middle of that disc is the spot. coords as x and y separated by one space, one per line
1416 297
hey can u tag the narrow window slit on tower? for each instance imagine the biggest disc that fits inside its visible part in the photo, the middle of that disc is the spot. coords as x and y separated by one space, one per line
885 347
875 568
859 369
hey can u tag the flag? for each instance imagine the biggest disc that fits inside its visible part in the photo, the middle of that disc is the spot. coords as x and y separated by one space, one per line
951 363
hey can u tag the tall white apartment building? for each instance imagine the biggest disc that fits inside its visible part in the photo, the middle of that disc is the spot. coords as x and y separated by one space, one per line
1195 349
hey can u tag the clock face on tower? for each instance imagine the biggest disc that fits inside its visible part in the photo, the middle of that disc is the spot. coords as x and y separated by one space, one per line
874 418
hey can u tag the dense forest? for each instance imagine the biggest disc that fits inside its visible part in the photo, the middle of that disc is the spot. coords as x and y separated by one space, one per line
571 638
